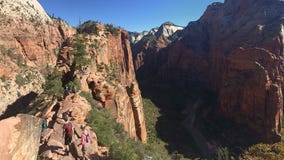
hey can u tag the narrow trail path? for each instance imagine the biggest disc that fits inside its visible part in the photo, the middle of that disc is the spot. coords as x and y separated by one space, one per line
52 145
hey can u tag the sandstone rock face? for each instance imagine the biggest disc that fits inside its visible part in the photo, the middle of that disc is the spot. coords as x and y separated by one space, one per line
20 84
20 137
20 9
117 57
29 34
111 78
29 42
236 50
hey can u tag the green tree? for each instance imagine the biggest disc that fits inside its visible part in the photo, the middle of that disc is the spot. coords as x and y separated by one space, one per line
112 29
89 27
53 84
80 56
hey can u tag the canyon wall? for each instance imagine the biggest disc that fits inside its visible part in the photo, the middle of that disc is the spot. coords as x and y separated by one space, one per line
29 44
110 77
235 50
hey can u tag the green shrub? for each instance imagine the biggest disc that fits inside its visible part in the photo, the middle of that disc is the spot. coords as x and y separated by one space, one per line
76 84
89 98
3 78
42 158
112 134
53 84
80 59
222 153
112 29
123 151
89 27
21 80
265 151
152 113
104 125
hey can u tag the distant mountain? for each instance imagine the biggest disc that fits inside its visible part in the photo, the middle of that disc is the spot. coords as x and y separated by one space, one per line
134 37
167 29
147 42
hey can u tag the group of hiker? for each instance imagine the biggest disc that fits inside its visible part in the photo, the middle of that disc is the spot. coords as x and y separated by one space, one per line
68 90
68 134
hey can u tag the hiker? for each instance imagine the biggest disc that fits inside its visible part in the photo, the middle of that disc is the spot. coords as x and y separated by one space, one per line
66 91
74 89
44 124
68 134
81 74
85 139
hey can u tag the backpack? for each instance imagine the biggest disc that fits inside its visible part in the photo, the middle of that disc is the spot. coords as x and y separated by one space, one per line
88 138
44 124
68 129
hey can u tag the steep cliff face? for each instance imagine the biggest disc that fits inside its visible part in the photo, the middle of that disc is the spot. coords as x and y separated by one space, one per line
29 42
110 77
20 137
236 50
29 34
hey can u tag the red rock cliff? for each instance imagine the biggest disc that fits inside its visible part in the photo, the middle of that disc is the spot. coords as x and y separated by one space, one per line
236 50
29 43
111 78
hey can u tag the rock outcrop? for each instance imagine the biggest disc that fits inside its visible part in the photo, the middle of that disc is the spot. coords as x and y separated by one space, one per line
29 44
111 77
236 50
52 140
20 137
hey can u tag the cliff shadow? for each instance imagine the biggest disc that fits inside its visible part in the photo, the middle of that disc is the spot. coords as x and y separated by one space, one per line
170 127
195 132
21 105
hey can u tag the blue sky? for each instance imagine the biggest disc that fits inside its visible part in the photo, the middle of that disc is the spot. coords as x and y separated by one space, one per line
132 15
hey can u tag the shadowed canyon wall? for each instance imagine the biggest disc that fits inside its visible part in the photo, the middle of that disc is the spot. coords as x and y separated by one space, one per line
236 50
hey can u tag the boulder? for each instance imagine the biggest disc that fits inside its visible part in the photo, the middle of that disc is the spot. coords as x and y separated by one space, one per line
20 137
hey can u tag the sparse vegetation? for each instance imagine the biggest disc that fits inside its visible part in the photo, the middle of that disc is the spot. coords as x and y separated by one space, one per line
7 52
121 146
112 29
53 84
75 84
223 154
265 151
20 80
80 59
35 20
150 38
88 27
95 44
3 78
